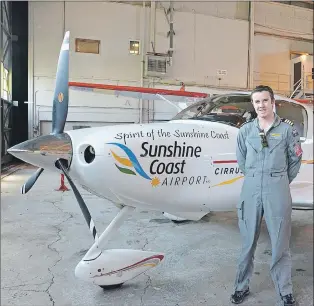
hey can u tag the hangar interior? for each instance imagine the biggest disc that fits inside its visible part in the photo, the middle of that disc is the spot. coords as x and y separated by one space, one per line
209 47
204 47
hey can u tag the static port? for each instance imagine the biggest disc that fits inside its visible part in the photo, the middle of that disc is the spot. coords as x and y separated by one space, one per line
89 154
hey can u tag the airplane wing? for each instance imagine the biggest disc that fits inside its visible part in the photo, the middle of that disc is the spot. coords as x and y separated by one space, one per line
181 97
302 194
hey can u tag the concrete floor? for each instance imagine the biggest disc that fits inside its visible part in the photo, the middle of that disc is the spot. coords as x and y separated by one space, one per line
44 236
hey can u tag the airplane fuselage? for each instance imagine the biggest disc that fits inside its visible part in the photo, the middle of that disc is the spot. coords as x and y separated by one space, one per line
186 167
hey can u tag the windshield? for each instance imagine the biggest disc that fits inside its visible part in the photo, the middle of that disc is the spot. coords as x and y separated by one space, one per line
233 109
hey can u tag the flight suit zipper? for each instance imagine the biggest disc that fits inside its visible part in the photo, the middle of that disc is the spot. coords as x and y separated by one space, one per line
262 180
263 152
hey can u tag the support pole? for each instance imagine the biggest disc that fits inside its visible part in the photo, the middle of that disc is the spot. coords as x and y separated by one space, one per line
143 34
171 32
250 81
62 185
152 25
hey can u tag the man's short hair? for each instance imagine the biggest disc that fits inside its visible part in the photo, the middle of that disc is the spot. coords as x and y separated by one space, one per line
261 88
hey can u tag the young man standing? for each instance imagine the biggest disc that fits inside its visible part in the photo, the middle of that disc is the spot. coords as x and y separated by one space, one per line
269 155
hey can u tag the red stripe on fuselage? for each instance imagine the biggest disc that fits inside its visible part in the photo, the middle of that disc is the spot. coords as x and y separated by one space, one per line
225 162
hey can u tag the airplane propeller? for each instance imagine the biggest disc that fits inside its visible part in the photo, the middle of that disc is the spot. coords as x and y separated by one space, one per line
59 116
60 103
85 211
31 181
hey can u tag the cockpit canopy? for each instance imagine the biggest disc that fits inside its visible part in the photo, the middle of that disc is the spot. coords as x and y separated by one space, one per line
235 109
229 109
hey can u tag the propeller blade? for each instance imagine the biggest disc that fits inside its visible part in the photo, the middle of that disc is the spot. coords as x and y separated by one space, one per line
81 202
61 94
31 181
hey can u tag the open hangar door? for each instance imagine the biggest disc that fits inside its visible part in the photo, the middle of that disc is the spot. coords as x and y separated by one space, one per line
6 74
14 75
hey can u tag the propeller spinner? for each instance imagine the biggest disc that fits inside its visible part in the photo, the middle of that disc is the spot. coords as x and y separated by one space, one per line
46 150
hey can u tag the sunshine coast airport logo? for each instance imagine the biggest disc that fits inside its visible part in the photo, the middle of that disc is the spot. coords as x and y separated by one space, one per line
131 165
165 163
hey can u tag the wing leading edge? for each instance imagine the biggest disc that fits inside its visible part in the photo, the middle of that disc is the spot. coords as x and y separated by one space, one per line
141 92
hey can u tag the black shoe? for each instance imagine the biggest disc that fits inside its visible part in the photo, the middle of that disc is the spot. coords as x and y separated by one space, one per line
238 296
288 300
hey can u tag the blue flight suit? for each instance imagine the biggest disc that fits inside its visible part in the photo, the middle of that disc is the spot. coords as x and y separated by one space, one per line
268 171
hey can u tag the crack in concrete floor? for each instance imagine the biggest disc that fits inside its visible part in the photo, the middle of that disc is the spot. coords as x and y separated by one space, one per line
59 230
198 267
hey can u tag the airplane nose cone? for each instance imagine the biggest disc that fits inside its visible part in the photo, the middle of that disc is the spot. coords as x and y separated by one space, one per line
43 151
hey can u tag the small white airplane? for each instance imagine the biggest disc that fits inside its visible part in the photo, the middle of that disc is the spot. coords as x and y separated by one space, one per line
186 167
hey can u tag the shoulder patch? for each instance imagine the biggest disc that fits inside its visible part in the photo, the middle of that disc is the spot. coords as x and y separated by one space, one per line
287 121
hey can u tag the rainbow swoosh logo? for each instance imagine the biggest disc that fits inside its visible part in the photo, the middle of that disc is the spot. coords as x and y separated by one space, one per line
130 165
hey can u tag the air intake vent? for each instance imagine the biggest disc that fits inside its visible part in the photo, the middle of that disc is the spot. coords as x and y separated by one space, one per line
156 65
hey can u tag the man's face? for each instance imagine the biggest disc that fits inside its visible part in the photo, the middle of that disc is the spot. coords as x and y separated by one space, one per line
263 104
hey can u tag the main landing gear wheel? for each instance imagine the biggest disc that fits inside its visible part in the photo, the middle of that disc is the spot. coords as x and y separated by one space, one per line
179 221
108 287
